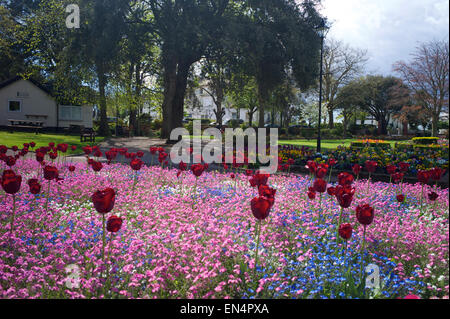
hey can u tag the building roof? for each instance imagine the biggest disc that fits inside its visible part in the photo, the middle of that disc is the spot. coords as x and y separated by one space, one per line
18 78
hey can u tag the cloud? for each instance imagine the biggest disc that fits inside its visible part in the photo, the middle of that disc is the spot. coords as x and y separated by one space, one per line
389 29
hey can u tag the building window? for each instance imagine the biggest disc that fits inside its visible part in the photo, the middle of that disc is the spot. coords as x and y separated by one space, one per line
70 113
14 106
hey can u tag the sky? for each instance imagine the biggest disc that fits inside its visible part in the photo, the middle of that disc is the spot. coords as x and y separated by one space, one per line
389 30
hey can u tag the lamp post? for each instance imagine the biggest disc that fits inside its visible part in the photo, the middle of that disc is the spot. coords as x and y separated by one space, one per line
322 30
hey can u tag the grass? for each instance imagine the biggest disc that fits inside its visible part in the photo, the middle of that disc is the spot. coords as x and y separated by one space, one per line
18 138
325 144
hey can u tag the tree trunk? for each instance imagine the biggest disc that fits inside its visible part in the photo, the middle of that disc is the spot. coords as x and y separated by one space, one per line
170 81
138 89
434 125
178 101
330 119
262 98
131 106
104 128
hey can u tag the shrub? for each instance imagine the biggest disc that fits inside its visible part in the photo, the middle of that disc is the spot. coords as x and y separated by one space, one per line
308 133
371 143
156 124
425 140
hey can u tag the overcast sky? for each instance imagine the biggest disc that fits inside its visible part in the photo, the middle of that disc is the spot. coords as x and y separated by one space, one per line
389 29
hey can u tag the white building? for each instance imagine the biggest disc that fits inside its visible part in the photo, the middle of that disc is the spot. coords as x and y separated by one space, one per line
28 101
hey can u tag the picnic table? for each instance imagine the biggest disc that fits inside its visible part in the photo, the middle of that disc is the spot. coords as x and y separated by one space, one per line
25 124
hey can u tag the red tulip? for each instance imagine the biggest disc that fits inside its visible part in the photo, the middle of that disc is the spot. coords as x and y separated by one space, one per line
331 191
197 169
356 169
11 182
114 224
182 166
140 154
403 167
3 149
371 166
50 173
423 176
345 231
267 192
433 196
71 168
391 169
73 147
311 193
345 179
53 155
40 157
321 170
400 198
260 207
10 161
87 150
35 187
14 148
259 179
332 162
232 176
312 166
397 177
320 185
436 173
365 214
344 195
104 200
248 172
136 164
96 166
32 144
153 150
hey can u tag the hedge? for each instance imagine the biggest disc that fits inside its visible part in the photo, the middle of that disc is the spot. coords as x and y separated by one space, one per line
425 140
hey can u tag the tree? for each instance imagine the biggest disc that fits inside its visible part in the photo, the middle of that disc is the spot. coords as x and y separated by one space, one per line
184 30
216 77
275 37
381 97
96 43
341 64
244 94
427 74
414 115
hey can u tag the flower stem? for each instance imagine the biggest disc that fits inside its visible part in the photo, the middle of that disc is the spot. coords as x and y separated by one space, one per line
339 224
48 195
12 217
257 246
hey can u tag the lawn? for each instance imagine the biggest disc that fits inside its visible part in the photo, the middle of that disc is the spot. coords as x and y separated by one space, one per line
18 138
326 144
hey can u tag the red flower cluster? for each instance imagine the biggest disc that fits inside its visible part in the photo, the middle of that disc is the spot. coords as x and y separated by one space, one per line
198 169
50 173
11 182
104 200
136 164
345 231
371 166
35 187
114 224
365 214
259 179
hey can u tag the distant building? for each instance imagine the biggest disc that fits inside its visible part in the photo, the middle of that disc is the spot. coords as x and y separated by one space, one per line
28 100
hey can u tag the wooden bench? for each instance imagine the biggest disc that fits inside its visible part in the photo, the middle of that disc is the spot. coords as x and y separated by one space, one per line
87 133
25 124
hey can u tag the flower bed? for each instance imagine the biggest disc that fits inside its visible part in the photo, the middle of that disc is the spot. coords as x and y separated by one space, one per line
194 236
